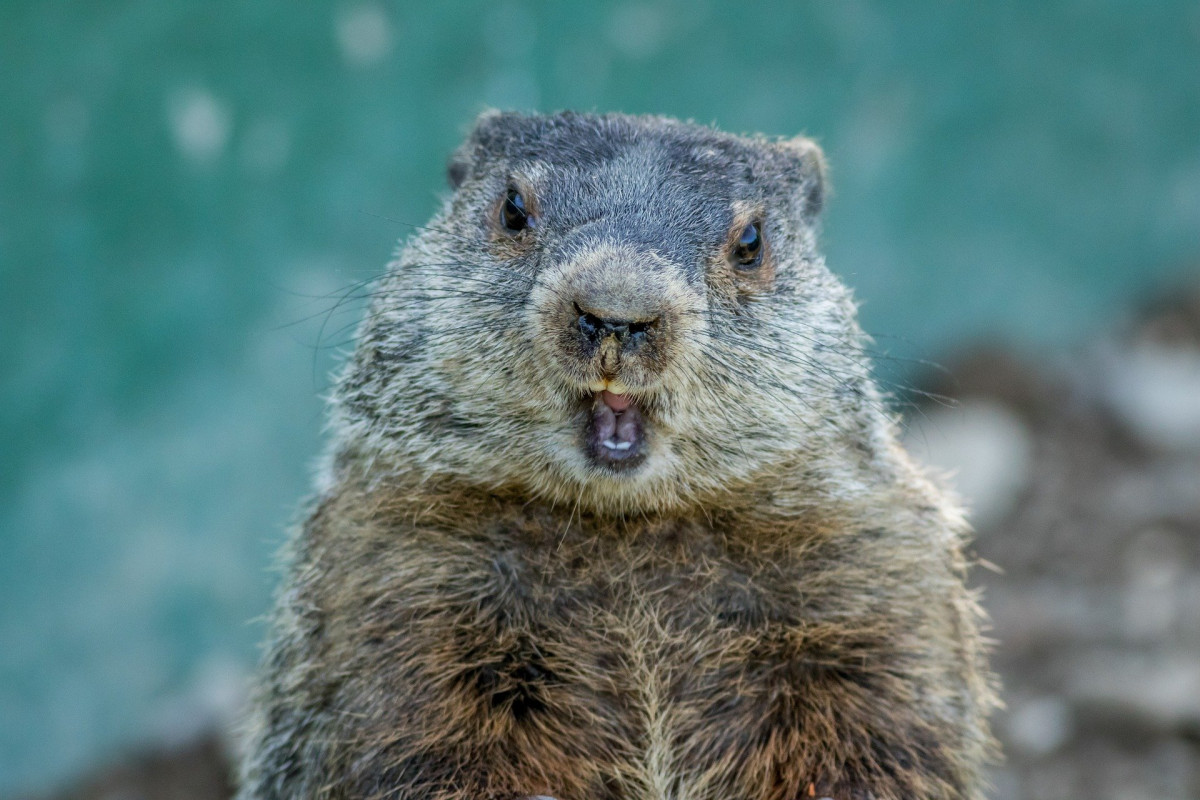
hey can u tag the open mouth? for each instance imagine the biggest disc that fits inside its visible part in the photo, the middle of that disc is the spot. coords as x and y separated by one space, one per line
616 434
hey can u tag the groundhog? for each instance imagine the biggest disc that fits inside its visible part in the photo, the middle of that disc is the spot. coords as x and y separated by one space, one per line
613 509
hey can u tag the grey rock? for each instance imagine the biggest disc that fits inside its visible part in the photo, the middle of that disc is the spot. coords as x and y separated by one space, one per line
1159 690
1155 389
1040 726
986 449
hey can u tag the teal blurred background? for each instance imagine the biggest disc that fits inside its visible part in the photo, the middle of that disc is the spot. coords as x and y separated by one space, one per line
187 189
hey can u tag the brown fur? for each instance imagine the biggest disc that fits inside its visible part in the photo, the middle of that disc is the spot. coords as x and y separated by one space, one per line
772 607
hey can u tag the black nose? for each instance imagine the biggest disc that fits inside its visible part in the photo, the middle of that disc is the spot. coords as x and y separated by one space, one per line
596 329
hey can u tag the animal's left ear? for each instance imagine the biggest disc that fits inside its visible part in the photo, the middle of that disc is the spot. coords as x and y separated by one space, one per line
808 171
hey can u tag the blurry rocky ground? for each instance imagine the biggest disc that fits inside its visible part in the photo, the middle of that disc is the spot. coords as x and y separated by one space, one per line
1084 476
1083 473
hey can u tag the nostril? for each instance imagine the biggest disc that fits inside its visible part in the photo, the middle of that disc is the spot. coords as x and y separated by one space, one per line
643 327
596 328
589 324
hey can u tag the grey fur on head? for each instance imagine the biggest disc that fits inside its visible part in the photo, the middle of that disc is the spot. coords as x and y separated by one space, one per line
458 337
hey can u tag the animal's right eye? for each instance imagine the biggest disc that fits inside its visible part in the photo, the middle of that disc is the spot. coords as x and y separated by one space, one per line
513 215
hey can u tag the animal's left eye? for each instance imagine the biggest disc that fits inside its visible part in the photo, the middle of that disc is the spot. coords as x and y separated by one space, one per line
748 250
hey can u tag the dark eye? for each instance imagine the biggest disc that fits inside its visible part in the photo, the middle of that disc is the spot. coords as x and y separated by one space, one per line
748 251
513 215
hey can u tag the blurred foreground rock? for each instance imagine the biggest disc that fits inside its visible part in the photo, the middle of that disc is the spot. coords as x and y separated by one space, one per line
1084 477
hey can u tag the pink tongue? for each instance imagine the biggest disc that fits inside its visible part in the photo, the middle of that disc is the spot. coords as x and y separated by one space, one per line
617 402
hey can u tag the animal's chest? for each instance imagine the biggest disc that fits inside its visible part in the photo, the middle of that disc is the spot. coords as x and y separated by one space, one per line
678 670
647 671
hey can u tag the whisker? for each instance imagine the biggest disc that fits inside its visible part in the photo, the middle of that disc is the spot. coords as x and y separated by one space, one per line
430 228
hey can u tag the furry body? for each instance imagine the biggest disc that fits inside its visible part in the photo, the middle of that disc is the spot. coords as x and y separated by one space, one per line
768 605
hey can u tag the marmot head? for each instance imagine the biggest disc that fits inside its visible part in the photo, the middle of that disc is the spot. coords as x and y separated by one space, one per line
625 313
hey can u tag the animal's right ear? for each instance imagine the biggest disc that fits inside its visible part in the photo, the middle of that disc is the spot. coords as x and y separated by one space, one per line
456 169
487 136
